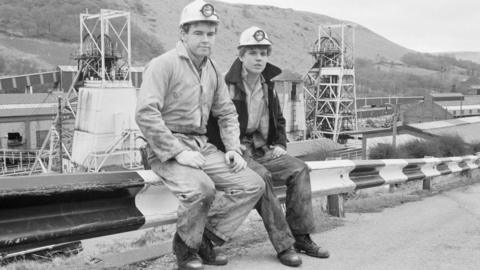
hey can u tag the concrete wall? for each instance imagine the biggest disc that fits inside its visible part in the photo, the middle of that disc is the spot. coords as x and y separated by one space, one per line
27 129
35 126
293 110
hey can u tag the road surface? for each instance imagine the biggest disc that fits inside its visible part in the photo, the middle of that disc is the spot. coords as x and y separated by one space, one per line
438 232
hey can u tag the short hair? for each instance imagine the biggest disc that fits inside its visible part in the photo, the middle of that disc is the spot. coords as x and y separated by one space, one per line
243 49
186 26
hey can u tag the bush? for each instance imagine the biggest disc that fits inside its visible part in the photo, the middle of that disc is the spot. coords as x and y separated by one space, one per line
475 147
443 146
418 149
382 151
452 145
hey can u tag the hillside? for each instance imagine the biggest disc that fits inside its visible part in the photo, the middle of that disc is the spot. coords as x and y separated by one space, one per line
292 32
150 17
35 37
471 56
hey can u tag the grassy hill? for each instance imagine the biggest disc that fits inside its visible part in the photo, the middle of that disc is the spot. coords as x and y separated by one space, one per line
38 35
159 19
471 56
292 32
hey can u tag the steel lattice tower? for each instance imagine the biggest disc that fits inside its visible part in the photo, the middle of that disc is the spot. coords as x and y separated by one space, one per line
104 65
330 84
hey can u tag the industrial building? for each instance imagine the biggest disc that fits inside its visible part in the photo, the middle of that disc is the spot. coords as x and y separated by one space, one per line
441 106
289 87
467 128
25 119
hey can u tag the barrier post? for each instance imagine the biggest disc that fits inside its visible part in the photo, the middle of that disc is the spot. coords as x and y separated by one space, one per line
427 185
335 205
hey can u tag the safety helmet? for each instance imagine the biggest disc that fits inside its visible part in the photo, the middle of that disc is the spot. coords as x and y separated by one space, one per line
254 36
198 11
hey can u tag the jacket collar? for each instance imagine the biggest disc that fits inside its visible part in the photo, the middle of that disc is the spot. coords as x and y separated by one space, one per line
183 53
234 75
181 50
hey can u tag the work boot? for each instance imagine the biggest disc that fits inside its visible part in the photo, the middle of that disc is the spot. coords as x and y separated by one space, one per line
303 243
187 258
208 254
289 257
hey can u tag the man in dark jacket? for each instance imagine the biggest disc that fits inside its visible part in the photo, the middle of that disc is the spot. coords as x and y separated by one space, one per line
262 133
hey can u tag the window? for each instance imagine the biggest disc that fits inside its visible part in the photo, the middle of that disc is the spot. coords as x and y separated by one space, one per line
293 95
14 139
41 136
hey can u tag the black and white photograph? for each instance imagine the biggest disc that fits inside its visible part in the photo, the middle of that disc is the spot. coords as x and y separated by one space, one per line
239 134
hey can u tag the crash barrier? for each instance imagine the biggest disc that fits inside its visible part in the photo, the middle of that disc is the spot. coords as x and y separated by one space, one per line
43 210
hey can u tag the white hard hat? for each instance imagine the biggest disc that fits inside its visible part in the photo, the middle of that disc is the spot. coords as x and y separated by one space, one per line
254 36
198 11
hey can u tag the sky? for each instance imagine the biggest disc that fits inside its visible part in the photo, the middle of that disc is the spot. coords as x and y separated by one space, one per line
421 25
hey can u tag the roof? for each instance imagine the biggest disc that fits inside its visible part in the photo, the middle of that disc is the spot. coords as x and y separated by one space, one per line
12 105
469 100
467 128
446 94
67 68
28 112
38 98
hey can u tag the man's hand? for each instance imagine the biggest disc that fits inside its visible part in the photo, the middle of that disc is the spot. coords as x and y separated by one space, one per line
191 158
277 151
235 160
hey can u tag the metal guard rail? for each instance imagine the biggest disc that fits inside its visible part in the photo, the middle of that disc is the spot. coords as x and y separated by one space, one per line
43 210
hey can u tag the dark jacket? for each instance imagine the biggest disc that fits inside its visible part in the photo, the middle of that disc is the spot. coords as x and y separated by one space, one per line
276 129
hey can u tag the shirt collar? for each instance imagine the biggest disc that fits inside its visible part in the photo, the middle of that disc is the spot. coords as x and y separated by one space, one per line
182 52
245 72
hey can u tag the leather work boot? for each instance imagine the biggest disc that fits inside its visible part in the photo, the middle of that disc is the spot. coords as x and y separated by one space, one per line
289 257
303 243
208 254
187 258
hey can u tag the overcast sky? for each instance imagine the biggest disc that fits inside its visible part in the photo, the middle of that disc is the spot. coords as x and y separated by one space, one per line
422 25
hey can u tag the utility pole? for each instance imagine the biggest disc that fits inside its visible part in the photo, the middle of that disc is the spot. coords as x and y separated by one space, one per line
394 124
59 129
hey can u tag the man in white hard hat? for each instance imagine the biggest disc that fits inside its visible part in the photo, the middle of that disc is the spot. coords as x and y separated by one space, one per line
179 91
262 132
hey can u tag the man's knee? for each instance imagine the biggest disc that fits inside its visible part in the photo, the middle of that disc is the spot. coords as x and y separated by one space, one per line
299 166
265 175
207 189
203 191
257 183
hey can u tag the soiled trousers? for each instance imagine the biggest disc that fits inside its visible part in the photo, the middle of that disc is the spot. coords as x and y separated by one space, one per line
211 198
294 174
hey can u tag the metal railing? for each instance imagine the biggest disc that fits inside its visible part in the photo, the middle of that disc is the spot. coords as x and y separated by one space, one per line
70 207
16 162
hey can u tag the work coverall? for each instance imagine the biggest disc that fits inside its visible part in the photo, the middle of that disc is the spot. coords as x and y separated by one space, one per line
173 107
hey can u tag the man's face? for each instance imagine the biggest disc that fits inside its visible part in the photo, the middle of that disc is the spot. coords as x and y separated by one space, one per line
255 59
200 39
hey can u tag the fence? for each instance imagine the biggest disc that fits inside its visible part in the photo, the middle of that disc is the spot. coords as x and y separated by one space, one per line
16 162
